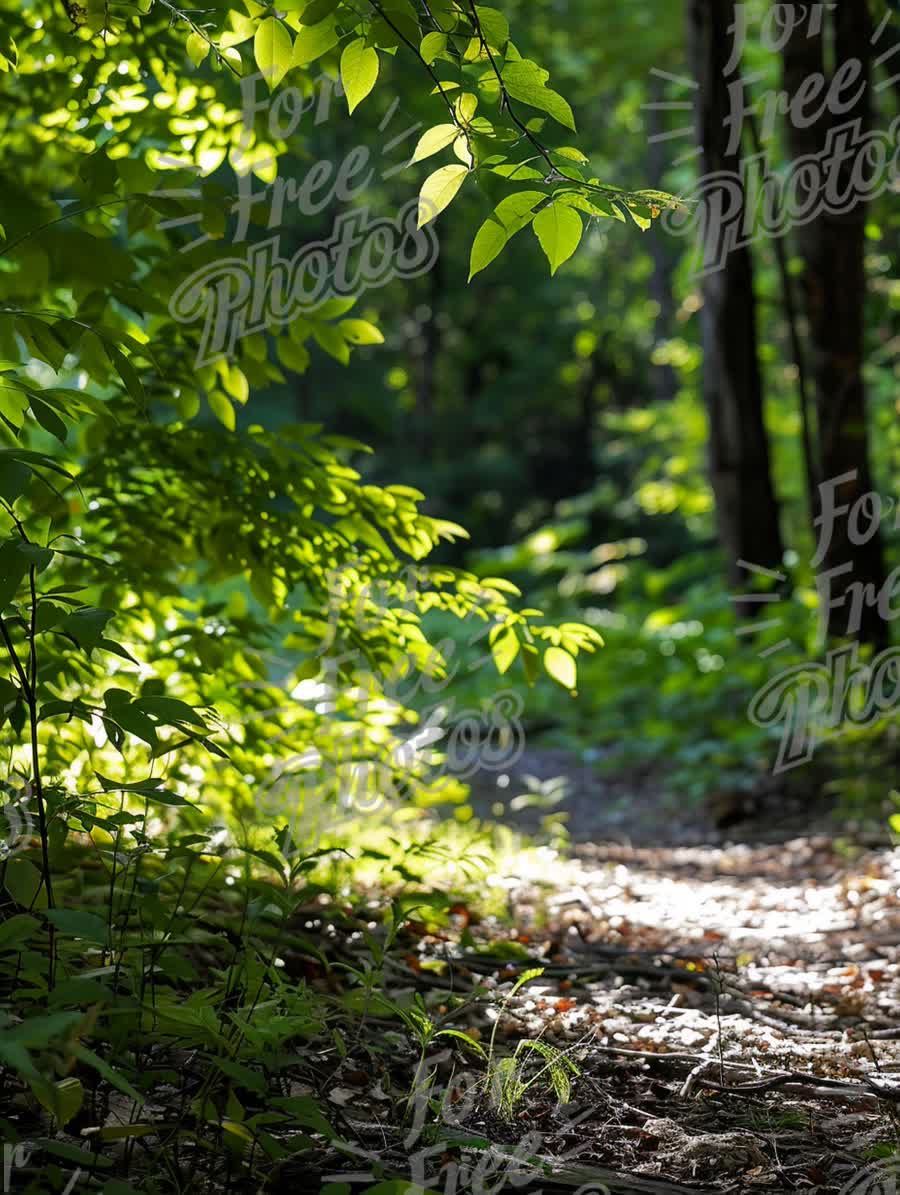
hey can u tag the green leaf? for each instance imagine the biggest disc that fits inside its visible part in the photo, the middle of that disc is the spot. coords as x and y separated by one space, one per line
233 56
13 567
23 883
359 71
115 1186
318 10
510 215
561 667
127 373
504 647
464 1037
13 405
273 51
16 930
360 331
243 28
312 41
62 1100
48 419
81 991
72 1154
304 1110
197 48
250 1079
434 140
123 1132
559 231
640 215
432 45
438 191
79 924
235 382
163 796
494 26
9 696
525 977
89 1058
38 1032
526 81
593 207
517 172
115 649
133 722
36 458
38 558
170 711
86 625
293 356
222 408
332 308
568 153
44 340
151 789
329 338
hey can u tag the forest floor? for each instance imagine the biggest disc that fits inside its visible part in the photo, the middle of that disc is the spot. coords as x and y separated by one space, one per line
731 1012
657 1009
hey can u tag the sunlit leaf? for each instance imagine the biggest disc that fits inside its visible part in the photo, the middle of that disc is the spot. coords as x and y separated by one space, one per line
435 139
559 231
510 215
312 41
433 44
439 190
197 48
360 331
359 71
273 50
561 667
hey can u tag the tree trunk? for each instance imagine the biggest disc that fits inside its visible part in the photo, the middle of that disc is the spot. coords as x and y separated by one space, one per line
740 473
834 290
665 380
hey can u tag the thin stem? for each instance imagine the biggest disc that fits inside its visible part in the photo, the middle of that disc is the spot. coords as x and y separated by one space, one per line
20 671
505 101
182 16
36 766
410 45
555 174
59 220
430 16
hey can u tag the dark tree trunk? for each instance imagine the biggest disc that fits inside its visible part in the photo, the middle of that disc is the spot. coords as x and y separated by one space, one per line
740 472
834 290
665 380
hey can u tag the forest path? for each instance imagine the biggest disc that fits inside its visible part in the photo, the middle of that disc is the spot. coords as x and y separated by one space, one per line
735 1011
732 1009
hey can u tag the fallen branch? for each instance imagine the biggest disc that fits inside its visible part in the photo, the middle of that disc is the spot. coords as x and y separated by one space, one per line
797 1080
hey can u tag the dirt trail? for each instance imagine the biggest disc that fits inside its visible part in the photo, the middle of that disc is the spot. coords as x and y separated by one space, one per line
734 1009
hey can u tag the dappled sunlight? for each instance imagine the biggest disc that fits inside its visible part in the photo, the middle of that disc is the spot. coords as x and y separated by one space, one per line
449 597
